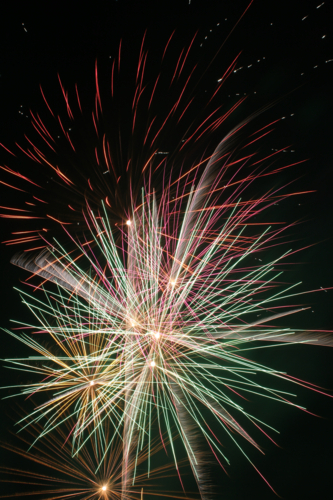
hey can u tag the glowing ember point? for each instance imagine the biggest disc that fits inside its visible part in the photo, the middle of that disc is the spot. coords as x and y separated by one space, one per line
92 383
131 320
152 364
104 488
128 222
157 335
172 282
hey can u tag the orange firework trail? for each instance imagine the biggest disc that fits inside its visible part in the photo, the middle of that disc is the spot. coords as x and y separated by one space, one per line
51 471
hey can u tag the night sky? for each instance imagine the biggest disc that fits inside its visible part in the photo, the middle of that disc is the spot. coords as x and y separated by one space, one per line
286 60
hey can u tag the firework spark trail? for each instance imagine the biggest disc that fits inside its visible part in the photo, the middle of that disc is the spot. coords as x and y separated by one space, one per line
117 155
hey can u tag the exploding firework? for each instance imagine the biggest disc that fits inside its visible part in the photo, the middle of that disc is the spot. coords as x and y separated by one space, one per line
159 301
157 326
50 471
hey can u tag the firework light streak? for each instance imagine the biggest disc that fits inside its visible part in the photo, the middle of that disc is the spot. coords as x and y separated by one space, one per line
109 164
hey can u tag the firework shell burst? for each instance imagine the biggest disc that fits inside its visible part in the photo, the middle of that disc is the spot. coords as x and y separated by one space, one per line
151 307
156 328
53 470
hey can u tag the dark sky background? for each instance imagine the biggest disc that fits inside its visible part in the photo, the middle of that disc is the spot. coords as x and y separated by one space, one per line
283 58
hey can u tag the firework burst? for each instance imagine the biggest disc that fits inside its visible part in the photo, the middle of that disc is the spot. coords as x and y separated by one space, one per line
168 277
157 326
50 470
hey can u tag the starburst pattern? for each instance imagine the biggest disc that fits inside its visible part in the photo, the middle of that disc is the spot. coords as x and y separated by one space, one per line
157 326
53 470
